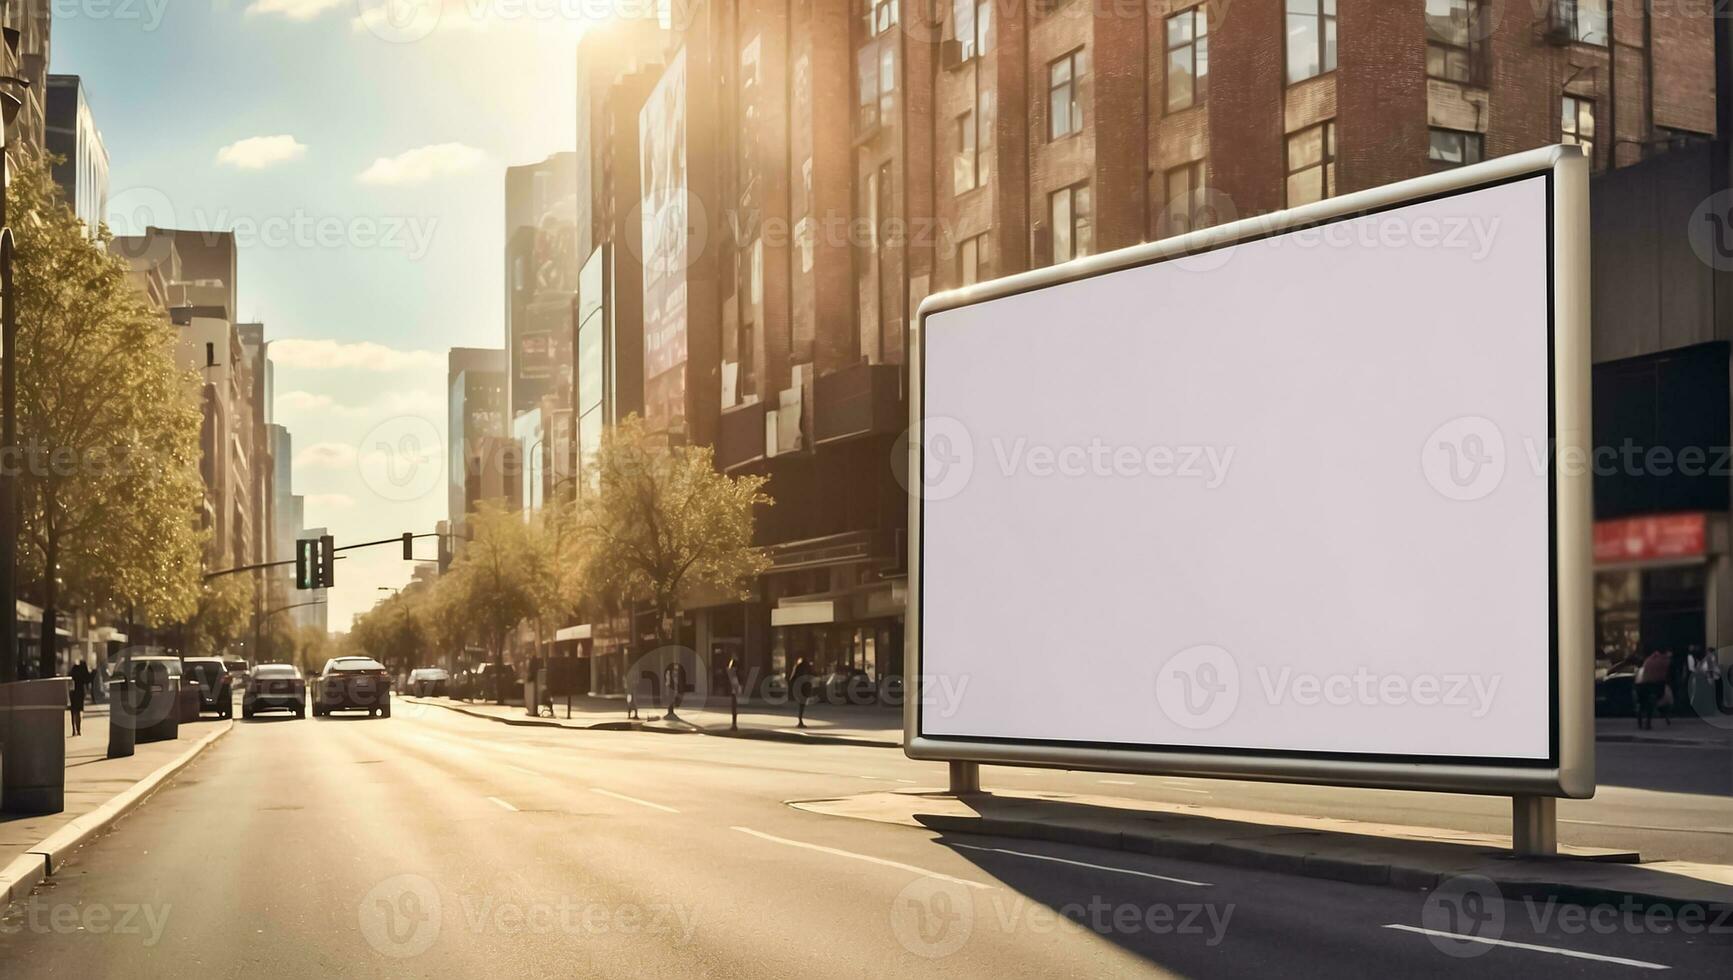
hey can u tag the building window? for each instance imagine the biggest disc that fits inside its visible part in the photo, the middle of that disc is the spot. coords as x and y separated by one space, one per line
867 70
881 16
1182 201
972 20
887 79
1582 20
1064 112
1073 232
1456 40
966 166
1187 59
973 257
1311 38
1312 164
1454 148
1577 124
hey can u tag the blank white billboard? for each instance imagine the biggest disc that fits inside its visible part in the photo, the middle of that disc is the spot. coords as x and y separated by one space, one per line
1291 495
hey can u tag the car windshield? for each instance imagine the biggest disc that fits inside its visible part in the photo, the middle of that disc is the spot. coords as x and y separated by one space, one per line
275 671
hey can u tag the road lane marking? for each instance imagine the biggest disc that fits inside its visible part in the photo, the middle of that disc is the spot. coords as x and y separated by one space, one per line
1117 782
633 799
1531 947
1085 864
502 804
905 780
839 852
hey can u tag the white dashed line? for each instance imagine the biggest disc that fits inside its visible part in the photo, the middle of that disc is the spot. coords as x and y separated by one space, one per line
502 804
839 852
1085 864
1531 947
633 799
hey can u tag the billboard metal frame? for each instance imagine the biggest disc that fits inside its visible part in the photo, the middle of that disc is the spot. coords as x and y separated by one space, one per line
1569 771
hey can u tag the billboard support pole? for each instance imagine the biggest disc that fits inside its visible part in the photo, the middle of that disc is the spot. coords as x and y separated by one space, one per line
1534 826
965 778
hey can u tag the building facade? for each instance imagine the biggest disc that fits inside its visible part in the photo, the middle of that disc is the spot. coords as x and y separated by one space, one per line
82 170
794 216
476 401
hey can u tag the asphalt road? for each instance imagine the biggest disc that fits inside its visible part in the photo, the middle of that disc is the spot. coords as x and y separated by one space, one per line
431 844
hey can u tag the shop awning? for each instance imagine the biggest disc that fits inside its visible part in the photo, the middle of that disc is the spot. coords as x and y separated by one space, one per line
803 613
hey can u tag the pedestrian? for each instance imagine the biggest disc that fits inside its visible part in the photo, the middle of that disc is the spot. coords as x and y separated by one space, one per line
733 696
80 675
674 677
1651 686
800 687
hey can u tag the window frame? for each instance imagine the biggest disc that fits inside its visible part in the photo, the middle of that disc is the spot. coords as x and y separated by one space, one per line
1076 219
971 272
967 152
1198 42
1475 53
973 44
1570 16
1574 135
1326 164
1465 136
1076 62
1196 174
1324 17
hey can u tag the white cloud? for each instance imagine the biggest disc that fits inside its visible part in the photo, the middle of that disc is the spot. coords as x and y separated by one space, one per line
326 455
292 9
329 501
361 356
397 402
423 163
304 401
259 152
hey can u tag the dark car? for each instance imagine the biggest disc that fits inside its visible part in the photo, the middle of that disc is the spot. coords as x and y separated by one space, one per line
352 684
274 687
216 684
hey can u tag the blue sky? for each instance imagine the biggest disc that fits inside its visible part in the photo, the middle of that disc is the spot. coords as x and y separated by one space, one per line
360 161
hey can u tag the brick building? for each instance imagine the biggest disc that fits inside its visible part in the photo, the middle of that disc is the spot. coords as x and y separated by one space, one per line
970 139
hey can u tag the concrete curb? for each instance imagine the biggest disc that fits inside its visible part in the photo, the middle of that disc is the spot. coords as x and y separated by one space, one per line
762 734
1369 870
42 861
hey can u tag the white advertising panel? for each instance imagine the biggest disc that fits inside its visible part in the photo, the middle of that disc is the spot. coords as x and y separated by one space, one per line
1284 498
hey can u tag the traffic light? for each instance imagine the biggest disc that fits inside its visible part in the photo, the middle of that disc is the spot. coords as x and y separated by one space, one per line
306 563
408 546
327 561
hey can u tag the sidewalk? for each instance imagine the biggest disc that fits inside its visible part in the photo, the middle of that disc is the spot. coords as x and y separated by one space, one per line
846 725
1716 732
1318 847
98 791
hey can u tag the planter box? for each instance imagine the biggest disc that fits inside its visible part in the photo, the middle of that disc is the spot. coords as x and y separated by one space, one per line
33 743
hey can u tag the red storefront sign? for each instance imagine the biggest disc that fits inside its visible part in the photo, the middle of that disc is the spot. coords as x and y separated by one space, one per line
1650 538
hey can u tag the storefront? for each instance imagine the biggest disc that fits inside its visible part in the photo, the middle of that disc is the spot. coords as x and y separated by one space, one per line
859 635
1654 587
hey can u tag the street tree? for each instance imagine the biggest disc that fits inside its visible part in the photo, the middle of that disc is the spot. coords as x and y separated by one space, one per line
222 613
666 524
108 426
501 575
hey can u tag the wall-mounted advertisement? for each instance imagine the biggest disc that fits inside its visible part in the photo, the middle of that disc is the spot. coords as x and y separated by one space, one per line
1301 498
665 217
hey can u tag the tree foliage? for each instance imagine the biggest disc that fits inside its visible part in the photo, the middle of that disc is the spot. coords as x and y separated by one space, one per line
108 425
666 524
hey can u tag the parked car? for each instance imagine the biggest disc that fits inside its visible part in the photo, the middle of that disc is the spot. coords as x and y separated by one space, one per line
165 698
237 670
352 684
274 687
216 685
429 681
